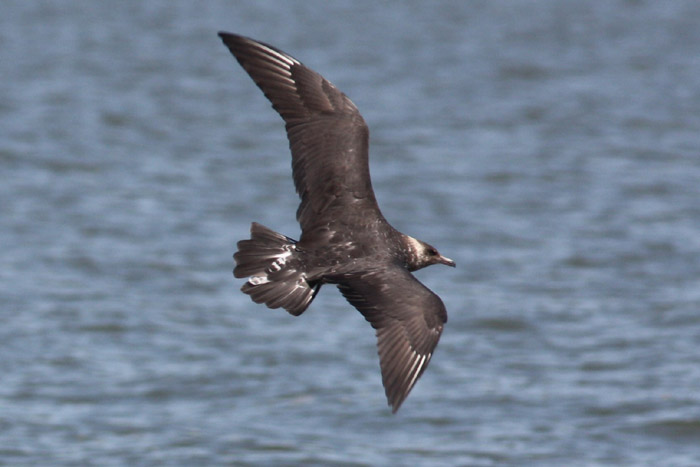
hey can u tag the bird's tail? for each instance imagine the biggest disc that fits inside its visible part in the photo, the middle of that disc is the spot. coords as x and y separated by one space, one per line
275 274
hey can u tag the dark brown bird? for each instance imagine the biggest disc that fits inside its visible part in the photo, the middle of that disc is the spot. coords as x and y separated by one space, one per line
345 239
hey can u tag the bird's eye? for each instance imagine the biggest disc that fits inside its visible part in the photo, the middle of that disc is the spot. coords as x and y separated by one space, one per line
432 252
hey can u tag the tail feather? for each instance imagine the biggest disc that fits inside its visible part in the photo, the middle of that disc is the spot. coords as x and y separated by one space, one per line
275 274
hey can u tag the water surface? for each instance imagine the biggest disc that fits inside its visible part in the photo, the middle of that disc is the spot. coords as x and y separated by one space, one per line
550 148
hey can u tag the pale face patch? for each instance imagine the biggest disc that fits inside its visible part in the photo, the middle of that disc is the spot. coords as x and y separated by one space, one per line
415 245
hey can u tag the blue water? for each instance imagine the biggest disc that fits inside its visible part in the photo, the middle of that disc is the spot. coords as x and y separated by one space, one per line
550 148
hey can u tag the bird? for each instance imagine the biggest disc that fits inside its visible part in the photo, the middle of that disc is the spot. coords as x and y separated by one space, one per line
345 239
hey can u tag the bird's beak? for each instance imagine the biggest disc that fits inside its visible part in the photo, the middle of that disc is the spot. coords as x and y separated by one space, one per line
446 261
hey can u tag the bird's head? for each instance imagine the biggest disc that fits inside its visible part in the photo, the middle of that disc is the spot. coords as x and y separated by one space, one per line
423 254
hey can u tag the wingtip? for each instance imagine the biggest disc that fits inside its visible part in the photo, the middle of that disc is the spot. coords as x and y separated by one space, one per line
396 401
227 37
230 38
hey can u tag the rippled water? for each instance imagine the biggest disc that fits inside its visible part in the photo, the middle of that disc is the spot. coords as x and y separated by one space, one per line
551 148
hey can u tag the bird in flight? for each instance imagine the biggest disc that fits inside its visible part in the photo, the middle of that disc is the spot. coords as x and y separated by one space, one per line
345 240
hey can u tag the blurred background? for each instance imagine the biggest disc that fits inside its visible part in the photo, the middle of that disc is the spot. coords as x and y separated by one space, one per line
551 148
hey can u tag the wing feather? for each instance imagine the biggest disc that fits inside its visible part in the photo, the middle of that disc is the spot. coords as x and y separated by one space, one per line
328 137
408 319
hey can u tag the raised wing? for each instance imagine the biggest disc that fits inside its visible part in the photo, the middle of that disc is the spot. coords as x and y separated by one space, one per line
327 135
408 319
